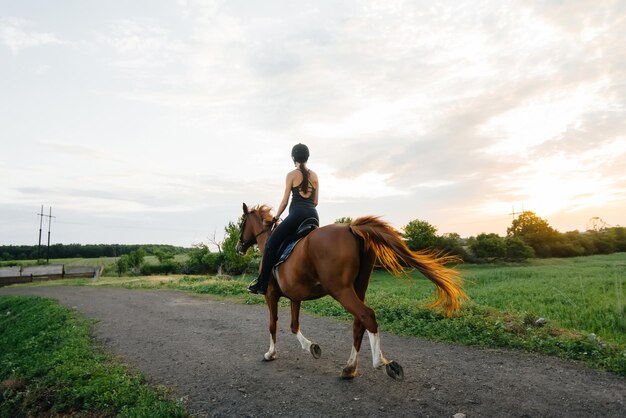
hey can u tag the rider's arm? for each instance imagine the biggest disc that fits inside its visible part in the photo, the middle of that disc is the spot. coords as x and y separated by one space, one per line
283 203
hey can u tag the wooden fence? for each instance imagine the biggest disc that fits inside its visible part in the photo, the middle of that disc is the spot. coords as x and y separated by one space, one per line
26 274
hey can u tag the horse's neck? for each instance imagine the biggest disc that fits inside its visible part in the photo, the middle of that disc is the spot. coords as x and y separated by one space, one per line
261 239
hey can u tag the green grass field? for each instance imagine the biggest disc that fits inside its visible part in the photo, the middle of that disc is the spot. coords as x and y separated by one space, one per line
584 293
48 367
577 297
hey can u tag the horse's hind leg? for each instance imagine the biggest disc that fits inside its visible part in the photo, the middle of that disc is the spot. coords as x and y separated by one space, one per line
271 297
367 317
392 368
307 345
358 329
349 371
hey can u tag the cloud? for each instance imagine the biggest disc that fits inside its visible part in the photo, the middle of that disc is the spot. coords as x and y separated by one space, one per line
17 34
74 150
447 110
140 44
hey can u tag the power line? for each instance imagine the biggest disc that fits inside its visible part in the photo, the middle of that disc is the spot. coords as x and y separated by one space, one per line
513 213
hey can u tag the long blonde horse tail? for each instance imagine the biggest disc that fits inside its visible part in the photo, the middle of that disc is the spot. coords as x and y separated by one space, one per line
394 255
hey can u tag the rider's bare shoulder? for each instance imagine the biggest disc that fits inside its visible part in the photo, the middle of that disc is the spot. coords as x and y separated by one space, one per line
292 177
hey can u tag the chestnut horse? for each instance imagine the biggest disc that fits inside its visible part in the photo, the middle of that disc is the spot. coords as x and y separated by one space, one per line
337 260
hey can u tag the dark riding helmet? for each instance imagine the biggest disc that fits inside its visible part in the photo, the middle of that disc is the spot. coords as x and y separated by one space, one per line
300 153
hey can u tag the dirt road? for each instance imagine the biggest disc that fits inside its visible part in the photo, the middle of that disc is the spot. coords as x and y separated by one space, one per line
210 352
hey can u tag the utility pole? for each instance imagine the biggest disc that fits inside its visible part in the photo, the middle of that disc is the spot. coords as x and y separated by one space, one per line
513 213
41 216
40 224
48 248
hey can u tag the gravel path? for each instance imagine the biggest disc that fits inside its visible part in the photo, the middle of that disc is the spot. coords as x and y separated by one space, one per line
210 351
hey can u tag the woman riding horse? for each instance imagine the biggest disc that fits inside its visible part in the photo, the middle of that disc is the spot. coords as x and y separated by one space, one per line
303 185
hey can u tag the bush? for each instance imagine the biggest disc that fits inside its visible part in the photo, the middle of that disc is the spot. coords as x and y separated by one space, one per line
617 235
452 244
202 261
489 246
603 244
166 267
517 249
567 249
213 261
131 261
122 265
233 262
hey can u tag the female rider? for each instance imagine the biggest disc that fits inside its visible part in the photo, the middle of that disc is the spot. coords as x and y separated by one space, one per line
303 185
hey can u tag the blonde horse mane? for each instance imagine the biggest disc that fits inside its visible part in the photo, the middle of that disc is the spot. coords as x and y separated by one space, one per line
264 211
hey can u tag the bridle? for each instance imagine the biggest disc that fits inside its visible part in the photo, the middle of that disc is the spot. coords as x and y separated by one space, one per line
242 245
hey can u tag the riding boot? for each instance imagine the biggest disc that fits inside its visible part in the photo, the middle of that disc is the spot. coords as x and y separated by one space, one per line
259 286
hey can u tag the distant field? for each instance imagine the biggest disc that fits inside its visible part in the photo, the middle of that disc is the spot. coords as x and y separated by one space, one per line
92 262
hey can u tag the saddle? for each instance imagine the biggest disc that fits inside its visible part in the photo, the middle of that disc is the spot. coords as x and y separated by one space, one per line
305 228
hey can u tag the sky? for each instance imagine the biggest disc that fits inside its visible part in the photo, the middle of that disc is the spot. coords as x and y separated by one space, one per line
153 121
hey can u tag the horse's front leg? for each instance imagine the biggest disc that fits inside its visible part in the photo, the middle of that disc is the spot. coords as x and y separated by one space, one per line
307 345
271 297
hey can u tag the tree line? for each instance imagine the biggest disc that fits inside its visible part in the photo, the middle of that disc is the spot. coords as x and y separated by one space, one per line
29 252
528 236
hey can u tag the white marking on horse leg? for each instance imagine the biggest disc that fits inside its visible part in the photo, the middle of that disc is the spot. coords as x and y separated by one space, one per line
304 342
378 359
354 359
271 354
349 371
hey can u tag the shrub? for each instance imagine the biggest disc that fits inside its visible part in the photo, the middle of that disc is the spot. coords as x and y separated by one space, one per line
122 265
517 249
166 267
202 261
233 262
489 246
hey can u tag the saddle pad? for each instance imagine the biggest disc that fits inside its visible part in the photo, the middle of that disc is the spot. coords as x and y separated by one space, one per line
286 252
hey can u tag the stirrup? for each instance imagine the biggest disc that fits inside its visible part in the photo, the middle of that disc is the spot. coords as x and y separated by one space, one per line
257 287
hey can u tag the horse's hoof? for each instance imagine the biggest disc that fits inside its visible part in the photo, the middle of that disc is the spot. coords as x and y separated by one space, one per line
348 373
394 370
269 359
316 351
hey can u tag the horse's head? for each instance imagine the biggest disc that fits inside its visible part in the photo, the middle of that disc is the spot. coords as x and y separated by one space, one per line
246 234
252 224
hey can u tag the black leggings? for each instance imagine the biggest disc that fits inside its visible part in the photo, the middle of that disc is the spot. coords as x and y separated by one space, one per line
286 228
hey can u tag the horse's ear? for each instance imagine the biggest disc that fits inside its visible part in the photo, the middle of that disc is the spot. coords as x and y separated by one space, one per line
245 209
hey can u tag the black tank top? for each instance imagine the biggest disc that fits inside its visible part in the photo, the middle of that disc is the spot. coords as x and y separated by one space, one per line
298 201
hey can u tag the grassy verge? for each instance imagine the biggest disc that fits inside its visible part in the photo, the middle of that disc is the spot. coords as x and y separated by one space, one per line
582 300
48 367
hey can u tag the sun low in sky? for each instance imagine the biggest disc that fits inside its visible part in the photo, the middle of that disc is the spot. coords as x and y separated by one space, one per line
152 121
